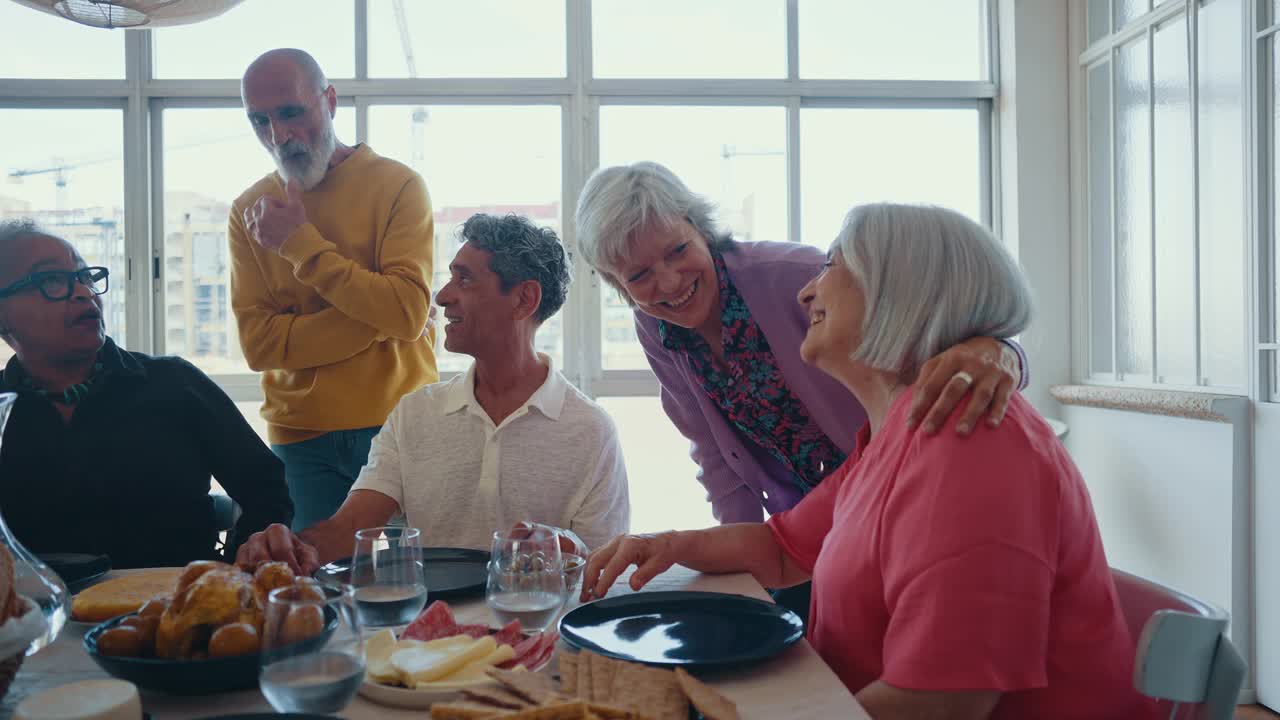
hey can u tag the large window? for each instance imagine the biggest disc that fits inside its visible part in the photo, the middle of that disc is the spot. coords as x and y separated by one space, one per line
92 53
785 113
203 50
1166 169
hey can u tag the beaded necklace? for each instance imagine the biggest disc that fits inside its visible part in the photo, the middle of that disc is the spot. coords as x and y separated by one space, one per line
71 395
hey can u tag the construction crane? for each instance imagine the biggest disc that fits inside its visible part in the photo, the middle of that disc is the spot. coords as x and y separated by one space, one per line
419 116
61 170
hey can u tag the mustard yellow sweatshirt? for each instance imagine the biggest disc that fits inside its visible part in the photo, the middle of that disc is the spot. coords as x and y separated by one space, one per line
334 321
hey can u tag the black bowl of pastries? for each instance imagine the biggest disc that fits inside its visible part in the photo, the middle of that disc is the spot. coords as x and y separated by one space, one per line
205 637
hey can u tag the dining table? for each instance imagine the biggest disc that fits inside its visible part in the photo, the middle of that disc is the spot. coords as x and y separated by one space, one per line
796 683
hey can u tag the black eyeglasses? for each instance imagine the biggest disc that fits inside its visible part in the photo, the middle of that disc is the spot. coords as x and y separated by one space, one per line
57 285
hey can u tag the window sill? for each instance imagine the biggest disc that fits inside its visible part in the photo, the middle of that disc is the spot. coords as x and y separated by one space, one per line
1171 403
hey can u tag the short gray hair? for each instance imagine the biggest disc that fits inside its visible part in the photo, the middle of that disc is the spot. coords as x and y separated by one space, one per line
520 251
11 230
932 278
618 201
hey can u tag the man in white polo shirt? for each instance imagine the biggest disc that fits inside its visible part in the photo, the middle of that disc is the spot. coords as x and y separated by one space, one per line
510 440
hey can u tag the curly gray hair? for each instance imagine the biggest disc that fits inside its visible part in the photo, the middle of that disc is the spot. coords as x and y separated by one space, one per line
521 251
11 230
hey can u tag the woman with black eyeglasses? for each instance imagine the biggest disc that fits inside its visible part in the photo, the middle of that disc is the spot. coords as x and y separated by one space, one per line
110 452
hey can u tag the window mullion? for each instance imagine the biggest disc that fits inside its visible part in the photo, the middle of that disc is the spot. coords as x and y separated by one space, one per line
1193 65
1151 199
136 151
1116 371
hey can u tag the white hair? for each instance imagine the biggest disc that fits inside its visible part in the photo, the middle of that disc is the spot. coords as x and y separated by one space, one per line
932 278
307 165
618 201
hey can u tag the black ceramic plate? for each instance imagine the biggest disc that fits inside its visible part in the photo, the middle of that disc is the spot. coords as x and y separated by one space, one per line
688 629
451 572
189 677
77 570
271 716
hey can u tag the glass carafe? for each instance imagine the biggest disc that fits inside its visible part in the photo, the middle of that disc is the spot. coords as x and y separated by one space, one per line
32 578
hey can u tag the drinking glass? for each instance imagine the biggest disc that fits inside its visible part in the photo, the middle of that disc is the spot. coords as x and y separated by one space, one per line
526 577
304 668
388 575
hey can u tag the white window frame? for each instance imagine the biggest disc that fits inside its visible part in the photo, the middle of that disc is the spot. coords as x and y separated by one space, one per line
1266 174
143 100
1105 49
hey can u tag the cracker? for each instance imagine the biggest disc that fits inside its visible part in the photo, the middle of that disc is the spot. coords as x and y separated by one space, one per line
534 687
652 691
576 710
463 710
612 712
569 673
496 696
710 703
8 581
602 671
584 675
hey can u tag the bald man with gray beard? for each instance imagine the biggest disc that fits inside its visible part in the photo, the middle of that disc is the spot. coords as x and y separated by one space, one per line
331 258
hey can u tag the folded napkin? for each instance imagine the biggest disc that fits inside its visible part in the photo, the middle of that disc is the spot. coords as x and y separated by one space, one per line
19 632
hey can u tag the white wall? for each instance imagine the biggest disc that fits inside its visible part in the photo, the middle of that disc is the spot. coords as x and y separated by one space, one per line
1266 504
1172 501
1034 204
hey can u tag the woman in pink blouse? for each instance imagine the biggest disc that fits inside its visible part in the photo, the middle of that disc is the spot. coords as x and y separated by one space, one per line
954 577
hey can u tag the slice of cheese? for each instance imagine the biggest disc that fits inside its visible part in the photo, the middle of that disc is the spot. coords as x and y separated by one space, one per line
377 656
474 670
83 700
379 648
424 664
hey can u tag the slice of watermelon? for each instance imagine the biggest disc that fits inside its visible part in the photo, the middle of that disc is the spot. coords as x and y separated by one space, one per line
511 635
436 621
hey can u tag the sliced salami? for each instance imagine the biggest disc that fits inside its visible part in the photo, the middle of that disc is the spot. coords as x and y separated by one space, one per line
524 650
511 635
436 621
475 631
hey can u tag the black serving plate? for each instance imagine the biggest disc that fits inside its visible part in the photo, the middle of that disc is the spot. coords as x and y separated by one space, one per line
271 716
77 570
190 677
450 572
687 629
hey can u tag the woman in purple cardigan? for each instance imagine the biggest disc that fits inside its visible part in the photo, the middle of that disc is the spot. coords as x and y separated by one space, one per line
721 329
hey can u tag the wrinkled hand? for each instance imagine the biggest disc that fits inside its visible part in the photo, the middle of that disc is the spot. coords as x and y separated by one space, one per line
651 554
270 222
939 388
277 542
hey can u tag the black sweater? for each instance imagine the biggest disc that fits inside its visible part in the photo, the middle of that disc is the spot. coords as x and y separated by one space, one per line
129 476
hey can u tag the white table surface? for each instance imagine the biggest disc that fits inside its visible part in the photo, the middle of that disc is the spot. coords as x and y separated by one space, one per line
795 684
